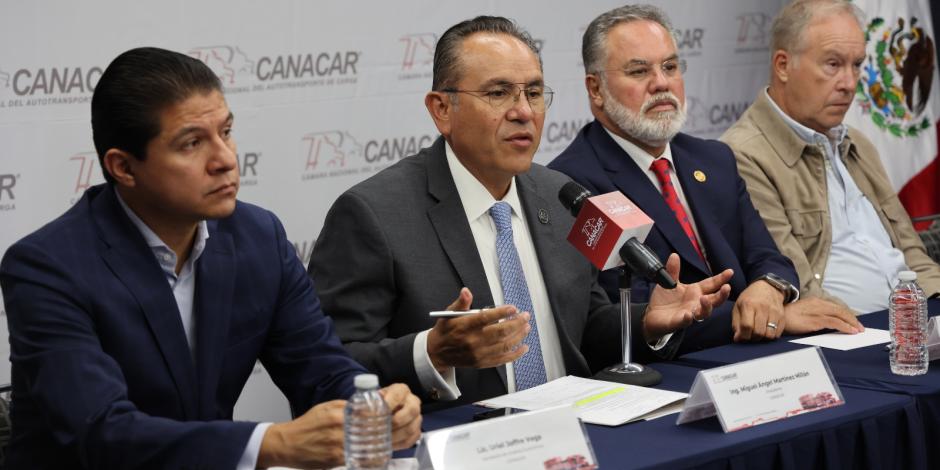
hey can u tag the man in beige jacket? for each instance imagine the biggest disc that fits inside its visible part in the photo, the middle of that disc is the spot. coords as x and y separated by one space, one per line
818 184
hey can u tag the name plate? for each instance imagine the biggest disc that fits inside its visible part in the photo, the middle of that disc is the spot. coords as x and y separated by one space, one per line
762 390
553 439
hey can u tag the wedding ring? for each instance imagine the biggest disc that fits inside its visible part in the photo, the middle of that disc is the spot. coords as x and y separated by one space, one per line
771 325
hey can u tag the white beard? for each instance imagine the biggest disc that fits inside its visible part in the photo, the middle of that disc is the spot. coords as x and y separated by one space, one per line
655 131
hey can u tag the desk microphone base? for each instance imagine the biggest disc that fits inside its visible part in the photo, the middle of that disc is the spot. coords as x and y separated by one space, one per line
631 374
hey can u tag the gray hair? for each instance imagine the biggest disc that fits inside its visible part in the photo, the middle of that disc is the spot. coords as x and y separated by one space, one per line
594 42
790 24
447 52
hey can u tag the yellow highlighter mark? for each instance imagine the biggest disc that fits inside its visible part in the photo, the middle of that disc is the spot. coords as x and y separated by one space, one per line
599 396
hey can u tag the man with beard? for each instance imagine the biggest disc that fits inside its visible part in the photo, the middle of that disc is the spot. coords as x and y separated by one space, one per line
690 187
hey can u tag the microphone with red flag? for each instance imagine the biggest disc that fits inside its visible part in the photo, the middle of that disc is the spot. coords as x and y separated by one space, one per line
607 231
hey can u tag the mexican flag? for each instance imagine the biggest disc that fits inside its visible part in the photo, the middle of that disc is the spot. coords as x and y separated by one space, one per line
897 101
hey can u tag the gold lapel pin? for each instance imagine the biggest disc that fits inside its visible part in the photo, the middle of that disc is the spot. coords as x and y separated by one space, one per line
699 176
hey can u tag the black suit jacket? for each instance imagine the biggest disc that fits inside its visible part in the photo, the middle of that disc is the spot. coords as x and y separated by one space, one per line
729 228
398 245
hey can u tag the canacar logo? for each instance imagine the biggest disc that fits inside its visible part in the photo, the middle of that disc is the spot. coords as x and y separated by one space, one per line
895 84
592 229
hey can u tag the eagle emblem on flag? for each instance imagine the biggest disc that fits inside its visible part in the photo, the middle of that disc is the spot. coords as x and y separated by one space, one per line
896 78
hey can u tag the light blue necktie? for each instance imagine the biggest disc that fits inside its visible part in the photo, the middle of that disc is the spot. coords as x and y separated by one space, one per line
530 368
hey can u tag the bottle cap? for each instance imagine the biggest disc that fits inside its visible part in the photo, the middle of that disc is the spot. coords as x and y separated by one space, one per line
366 381
906 276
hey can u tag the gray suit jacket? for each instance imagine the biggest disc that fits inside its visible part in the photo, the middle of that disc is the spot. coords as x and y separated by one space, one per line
398 245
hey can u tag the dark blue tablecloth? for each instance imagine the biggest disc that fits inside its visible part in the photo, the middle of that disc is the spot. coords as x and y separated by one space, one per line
872 430
864 368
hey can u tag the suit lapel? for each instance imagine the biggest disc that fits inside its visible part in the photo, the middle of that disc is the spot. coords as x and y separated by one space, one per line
212 308
632 181
450 223
133 263
695 194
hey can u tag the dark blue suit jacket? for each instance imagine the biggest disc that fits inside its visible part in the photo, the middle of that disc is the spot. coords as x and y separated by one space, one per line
102 373
730 230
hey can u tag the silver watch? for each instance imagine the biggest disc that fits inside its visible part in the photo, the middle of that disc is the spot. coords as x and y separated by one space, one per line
790 292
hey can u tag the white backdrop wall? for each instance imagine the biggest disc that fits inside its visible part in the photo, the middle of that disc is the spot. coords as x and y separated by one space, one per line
325 93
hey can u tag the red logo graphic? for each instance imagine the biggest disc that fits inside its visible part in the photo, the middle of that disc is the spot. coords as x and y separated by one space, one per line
572 462
819 400
332 149
87 162
419 49
226 61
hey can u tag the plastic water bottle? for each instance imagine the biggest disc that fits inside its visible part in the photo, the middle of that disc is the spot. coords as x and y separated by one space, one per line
368 427
907 318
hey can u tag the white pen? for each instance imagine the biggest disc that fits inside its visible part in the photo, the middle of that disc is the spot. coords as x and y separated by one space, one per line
455 313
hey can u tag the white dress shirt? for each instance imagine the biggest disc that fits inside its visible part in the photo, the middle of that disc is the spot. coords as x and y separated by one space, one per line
476 201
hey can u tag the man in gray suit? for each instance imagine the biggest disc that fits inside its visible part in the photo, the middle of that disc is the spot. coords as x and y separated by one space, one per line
472 214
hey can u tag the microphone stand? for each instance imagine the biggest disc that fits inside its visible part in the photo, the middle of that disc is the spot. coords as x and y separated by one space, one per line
628 372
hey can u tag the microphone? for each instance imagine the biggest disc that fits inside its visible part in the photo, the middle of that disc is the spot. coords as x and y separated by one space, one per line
606 231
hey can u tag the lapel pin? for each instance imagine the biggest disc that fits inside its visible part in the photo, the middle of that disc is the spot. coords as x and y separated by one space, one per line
543 216
699 176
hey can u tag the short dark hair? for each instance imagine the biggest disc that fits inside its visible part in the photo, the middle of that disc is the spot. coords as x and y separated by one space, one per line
134 89
447 51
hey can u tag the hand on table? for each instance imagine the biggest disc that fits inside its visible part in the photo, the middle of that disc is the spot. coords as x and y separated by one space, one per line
315 439
758 313
814 314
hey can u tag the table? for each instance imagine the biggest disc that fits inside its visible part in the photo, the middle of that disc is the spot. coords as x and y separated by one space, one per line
872 430
864 369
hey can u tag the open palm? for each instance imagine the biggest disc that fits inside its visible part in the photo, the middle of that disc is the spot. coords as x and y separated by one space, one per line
673 309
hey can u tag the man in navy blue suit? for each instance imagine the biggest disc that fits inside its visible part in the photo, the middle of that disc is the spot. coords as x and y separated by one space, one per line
137 316
690 187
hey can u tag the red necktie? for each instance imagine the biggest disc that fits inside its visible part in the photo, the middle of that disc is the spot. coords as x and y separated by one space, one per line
660 166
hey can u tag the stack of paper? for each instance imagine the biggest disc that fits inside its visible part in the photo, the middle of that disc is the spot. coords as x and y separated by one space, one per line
597 402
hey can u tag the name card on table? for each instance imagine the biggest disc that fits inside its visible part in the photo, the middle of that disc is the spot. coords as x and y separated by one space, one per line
553 439
762 390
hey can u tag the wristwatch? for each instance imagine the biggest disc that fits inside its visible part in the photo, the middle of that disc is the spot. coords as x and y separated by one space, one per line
790 292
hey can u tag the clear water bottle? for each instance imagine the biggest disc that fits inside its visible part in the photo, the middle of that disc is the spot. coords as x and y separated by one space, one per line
368 427
907 319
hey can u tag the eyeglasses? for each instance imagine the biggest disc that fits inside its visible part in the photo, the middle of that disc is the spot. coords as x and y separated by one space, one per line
502 97
642 71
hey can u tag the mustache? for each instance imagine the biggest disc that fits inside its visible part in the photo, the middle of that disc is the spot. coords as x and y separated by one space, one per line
659 98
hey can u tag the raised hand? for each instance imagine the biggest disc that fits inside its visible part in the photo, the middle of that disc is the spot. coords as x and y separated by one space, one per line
673 309
487 339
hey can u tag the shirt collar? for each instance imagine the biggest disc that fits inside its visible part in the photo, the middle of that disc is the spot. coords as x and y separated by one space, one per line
154 241
642 158
476 199
835 135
